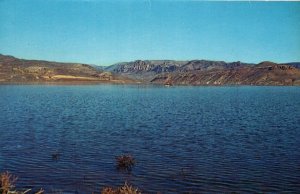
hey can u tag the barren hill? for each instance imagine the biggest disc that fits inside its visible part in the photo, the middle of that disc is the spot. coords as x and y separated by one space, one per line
203 72
195 72
23 71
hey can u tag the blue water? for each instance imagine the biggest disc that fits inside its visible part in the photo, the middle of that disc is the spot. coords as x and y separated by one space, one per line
184 139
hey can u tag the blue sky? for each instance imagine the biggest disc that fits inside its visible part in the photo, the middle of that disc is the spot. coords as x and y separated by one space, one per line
106 32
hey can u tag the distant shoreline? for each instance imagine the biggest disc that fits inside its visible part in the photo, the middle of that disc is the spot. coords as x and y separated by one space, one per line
169 73
69 83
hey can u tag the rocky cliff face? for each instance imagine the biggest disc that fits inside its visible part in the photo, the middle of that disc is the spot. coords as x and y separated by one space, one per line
19 70
167 66
295 64
139 66
203 72
145 70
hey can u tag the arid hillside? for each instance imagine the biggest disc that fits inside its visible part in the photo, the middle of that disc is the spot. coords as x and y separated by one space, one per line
203 72
14 70
169 72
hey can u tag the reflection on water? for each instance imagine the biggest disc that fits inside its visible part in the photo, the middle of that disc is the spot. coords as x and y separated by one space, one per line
184 139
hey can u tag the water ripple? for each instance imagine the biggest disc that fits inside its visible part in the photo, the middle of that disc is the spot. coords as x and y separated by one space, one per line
184 139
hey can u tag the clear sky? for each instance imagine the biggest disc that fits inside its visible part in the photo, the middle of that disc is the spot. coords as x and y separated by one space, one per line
106 32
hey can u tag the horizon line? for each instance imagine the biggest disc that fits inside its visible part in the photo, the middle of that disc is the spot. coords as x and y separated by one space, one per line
55 61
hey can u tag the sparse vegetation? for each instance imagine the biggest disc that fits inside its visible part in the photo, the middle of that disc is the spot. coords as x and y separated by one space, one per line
7 182
125 162
8 185
125 189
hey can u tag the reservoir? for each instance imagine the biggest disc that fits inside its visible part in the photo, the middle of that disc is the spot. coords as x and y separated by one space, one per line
243 139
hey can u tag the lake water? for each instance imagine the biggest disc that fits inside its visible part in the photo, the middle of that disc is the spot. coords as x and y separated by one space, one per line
184 139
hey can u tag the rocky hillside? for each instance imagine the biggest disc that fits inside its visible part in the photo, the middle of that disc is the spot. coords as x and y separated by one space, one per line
195 72
295 64
19 70
203 72
147 70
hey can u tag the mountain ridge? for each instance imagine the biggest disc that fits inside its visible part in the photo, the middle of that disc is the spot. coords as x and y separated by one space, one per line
207 72
168 72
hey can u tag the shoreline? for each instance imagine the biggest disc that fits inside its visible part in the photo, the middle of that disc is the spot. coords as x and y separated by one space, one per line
117 82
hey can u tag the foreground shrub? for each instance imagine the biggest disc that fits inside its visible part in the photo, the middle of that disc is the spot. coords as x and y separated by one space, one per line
7 185
125 162
7 182
126 189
